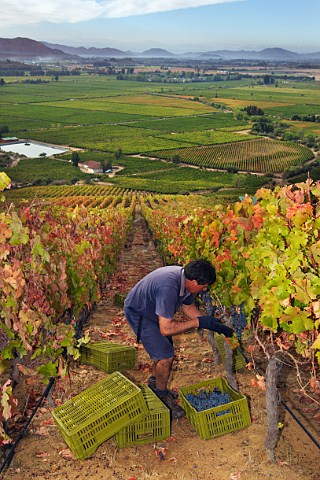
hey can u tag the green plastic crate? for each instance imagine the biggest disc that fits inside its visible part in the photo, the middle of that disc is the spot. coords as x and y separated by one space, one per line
207 423
109 357
238 360
98 413
153 427
119 299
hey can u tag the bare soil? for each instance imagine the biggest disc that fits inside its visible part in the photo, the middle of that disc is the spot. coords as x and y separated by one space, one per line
43 455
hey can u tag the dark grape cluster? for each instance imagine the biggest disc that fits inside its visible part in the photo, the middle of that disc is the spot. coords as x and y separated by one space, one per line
238 319
205 400
234 317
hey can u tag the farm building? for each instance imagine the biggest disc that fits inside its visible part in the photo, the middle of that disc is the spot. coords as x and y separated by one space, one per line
91 167
9 139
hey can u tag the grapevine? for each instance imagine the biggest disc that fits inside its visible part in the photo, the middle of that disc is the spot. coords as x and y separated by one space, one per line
266 255
52 264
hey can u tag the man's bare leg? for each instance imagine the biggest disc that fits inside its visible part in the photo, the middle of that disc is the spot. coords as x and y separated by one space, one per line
162 369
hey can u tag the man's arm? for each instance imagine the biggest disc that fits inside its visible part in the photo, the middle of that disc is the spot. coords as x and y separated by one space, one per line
173 327
191 310
170 327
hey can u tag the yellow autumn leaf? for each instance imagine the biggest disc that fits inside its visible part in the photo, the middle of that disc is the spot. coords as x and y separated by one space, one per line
316 343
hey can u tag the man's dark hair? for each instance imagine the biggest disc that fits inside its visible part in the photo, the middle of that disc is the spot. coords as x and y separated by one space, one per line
200 270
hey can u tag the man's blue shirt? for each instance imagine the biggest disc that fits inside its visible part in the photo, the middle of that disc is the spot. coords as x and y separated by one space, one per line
159 294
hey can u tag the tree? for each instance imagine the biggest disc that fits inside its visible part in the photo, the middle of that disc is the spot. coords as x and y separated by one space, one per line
262 125
118 153
253 110
268 80
106 165
176 159
3 129
75 159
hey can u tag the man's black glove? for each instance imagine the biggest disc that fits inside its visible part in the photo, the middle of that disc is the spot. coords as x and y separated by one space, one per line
210 323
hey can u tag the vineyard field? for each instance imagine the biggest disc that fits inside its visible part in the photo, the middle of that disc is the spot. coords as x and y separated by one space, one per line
71 196
100 114
30 170
270 94
209 137
187 180
109 138
260 155
193 124
289 110
58 116
152 109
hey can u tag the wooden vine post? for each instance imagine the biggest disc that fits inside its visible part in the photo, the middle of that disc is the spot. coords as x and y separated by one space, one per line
272 404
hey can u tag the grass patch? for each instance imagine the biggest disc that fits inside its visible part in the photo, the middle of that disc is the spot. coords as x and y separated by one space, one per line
44 170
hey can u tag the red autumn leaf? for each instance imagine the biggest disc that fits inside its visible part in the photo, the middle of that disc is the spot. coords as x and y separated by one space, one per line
50 421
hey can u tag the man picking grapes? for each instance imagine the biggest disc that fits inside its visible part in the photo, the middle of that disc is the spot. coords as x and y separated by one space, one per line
150 308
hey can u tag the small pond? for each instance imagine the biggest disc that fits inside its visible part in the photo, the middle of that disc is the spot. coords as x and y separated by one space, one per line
31 149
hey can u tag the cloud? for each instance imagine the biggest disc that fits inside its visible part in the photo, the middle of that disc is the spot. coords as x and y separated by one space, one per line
28 12
124 8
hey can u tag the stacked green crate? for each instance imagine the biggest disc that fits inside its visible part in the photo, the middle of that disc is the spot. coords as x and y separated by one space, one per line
109 357
151 428
98 413
119 299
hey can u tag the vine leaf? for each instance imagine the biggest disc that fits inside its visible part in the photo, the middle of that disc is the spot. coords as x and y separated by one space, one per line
316 343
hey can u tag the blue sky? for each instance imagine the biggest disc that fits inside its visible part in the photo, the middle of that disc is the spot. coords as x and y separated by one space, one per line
175 25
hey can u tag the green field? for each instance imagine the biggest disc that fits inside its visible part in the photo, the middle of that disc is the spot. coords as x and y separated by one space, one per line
260 155
185 179
100 114
30 170
207 122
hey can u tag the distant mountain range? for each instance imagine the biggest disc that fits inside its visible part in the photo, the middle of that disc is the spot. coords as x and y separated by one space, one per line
27 49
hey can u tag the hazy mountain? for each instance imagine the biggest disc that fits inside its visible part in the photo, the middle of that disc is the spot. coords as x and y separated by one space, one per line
203 55
88 52
25 48
157 52
266 54
315 55
278 54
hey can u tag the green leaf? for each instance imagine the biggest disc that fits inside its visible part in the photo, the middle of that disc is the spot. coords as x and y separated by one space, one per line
7 353
83 340
84 245
7 330
295 320
38 249
20 233
74 352
66 342
49 369
4 181
305 291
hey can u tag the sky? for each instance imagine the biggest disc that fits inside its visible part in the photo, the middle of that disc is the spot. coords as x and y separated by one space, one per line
178 26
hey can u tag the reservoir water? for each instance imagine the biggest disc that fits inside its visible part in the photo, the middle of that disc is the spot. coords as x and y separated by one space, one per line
31 149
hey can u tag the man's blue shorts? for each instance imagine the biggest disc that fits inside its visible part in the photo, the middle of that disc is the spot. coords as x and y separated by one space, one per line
157 346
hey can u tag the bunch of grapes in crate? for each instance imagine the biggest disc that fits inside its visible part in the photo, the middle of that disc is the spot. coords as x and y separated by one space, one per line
204 400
